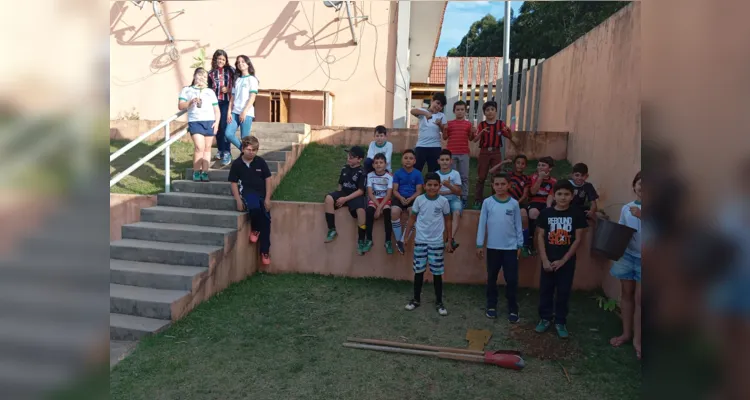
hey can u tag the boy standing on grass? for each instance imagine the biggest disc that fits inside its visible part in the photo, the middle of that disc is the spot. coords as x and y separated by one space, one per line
407 185
431 213
458 133
350 193
500 219
541 194
251 187
379 190
559 232
377 146
431 122
451 190
491 131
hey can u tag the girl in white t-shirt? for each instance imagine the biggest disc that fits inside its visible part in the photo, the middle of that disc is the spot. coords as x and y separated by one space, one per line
241 105
203 120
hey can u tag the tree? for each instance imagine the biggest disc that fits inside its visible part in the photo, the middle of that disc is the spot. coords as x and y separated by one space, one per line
540 30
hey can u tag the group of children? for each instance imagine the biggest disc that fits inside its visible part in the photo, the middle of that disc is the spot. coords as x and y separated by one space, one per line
219 102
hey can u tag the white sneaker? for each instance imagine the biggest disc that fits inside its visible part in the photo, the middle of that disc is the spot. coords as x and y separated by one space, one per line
441 309
412 305
218 155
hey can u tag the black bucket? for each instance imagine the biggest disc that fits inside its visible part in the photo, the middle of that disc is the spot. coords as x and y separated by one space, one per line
611 239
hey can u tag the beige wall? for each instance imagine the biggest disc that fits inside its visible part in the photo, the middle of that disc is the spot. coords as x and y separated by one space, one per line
126 209
277 36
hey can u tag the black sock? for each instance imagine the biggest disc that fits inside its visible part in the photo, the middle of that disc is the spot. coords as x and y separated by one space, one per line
418 280
532 231
331 221
388 224
360 234
438 288
370 218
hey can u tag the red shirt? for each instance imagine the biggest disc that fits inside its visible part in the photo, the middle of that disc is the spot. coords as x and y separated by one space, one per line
544 189
518 183
491 137
458 132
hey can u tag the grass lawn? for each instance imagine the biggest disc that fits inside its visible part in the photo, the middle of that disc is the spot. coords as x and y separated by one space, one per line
316 173
279 337
149 178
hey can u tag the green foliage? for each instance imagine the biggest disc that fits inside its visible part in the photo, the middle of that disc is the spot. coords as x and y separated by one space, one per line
540 30
200 60
605 303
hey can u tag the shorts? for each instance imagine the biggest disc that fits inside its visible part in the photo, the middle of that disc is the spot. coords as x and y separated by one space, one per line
627 268
371 204
432 253
536 206
204 128
395 202
454 201
353 204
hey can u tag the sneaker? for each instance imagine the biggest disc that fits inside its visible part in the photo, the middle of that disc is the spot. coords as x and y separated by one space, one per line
412 305
491 313
360 247
513 318
254 235
332 234
388 247
455 245
542 326
525 252
227 159
400 247
196 176
265 259
441 309
367 246
219 155
204 176
562 331
477 205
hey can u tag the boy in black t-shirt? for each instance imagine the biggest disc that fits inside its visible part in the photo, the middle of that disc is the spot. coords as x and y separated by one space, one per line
251 188
584 193
350 193
559 232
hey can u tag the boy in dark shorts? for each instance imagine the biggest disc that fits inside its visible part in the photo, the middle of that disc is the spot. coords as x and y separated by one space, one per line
350 193
559 232
540 194
250 179
407 185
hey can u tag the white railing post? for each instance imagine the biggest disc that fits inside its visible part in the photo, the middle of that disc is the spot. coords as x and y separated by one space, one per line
167 172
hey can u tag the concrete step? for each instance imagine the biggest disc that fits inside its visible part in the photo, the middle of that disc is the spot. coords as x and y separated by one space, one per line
266 128
219 188
215 175
153 275
288 135
197 200
194 216
280 156
142 302
178 233
196 255
131 327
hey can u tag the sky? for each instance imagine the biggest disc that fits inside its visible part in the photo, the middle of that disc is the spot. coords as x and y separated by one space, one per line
461 14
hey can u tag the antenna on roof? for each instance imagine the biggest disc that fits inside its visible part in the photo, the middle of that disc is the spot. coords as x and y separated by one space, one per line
336 5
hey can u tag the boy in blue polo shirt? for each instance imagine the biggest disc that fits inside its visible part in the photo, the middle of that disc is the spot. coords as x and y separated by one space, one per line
407 185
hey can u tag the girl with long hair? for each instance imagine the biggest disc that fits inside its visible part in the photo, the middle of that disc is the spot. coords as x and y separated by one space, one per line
203 120
221 80
241 104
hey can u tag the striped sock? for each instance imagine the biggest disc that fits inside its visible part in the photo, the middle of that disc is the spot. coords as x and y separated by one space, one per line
397 229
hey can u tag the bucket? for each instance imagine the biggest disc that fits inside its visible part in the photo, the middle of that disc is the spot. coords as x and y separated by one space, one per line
611 239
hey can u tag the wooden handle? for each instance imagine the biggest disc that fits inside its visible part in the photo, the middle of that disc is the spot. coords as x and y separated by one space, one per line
417 346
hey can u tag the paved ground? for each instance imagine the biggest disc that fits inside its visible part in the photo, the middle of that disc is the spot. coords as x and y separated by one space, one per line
119 350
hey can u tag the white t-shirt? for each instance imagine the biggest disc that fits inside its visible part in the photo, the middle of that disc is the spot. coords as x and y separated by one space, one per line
452 176
628 219
386 149
379 184
243 86
430 218
429 132
208 100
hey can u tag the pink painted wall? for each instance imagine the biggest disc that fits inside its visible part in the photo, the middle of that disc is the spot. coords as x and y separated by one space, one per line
126 209
293 45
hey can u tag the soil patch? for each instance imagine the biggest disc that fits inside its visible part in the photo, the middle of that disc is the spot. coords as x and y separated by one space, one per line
544 346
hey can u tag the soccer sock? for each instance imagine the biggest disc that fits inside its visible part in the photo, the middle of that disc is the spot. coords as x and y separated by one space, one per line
361 233
397 229
370 221
418 281
438 288
526 237
532 229
331 221
388 224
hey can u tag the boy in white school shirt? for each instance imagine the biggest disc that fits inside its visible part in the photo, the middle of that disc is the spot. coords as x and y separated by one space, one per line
378 146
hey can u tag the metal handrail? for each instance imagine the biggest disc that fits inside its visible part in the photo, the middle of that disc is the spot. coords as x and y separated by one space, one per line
163 124
165 148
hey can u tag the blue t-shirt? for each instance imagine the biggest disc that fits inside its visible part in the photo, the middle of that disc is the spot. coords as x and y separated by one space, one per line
407 181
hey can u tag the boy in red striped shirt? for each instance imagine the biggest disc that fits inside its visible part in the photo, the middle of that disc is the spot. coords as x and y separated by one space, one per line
541 192
490 140
458 133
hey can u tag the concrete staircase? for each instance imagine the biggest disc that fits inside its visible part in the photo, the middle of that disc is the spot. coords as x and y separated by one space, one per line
192 244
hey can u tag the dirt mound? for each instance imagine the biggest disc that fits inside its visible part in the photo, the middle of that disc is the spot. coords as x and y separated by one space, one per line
544 346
